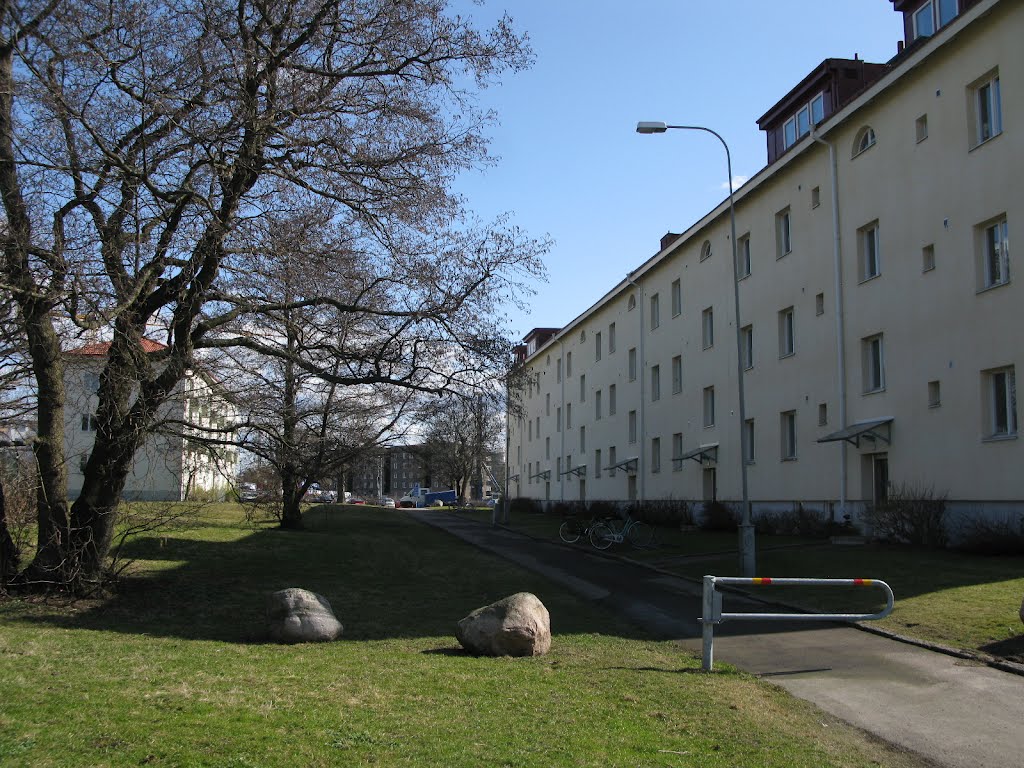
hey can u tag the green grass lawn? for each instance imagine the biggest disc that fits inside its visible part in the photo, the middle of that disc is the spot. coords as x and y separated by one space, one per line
176 671
970 602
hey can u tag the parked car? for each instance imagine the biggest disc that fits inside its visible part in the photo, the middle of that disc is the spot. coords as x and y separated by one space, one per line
385 501
248 492
317 495
354 500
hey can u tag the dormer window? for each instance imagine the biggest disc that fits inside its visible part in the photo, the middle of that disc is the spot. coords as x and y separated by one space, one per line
932 15
800 124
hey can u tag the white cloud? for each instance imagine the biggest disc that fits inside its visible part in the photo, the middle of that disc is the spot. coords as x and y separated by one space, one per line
737 182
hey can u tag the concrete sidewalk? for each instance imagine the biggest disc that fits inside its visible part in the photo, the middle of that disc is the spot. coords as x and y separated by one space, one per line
954 712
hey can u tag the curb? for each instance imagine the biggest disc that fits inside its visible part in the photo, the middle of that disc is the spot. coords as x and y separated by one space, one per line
1002 665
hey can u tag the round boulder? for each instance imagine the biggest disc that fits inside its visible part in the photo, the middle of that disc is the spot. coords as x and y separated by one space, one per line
518 625
300 616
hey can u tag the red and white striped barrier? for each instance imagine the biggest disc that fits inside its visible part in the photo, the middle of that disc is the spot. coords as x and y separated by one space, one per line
713 605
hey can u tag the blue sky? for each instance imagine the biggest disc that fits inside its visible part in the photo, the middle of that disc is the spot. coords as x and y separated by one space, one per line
571 165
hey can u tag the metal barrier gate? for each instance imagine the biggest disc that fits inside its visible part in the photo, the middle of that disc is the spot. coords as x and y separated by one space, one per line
713 606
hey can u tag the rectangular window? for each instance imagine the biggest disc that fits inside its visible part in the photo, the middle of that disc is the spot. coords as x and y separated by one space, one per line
743 256
89 423
655 311
1001 396
558 419
928 258
611 399
632 364
707 325
597 462
568 364
677 374
787 334
818 108
547 449
529 430
748 436
873 362
568 415
815 197
597 405
611 461
611 338
993 260
924 21
547 404
583 440
819 304
709 406
536 428
934 394
787 427
783 234
632 426
655 383
677 451
597 346
558 466
558 370
868 251
988 109
747 345
92 382
583 388
655 454
677 298
789 133
921 128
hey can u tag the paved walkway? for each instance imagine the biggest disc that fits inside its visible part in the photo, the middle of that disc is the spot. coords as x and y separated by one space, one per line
957 713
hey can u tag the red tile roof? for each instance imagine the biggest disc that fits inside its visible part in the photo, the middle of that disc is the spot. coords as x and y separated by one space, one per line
101 348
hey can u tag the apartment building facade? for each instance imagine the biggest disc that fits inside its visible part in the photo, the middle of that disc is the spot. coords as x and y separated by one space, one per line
878 307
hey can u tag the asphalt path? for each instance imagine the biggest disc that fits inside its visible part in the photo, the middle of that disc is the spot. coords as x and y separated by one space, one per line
954 712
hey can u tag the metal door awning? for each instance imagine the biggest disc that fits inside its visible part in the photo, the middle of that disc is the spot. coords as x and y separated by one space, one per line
627 464
514 478
544 474
579 471
872 429
700 455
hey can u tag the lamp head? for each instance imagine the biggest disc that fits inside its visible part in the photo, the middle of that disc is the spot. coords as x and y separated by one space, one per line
651 127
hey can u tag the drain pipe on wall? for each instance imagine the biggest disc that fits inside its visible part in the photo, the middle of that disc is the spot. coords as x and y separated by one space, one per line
840 323
642 365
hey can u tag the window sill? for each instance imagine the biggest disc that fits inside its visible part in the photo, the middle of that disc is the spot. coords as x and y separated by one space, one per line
783 255
982 143
785 355
999 438
932 406
709 346
741 278
869 278
750 462
872 391
709 426
788 458
992 287
748 368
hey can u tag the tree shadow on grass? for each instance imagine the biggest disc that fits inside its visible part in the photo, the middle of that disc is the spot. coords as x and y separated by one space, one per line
385 575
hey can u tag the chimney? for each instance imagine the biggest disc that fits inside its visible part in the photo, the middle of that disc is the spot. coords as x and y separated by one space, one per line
899 47
668 238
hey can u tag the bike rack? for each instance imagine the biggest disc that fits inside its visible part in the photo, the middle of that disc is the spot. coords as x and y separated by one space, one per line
713 606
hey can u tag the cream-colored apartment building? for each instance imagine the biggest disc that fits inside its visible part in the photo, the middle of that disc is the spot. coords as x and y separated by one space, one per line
880 313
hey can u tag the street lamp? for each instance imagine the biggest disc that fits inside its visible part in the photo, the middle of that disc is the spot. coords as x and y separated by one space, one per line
747 557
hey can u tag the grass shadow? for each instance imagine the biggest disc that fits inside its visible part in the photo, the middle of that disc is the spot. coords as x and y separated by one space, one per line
385 575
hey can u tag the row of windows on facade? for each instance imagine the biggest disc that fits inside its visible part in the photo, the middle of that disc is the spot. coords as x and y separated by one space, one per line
999 394
992 260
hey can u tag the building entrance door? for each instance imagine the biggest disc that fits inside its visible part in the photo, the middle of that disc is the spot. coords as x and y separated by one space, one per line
631 487
880 471
710 477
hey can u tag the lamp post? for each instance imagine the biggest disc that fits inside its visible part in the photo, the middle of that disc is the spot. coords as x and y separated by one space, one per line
746 542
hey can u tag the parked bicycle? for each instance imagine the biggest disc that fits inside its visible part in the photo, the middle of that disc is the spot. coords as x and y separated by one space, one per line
573 529
637 532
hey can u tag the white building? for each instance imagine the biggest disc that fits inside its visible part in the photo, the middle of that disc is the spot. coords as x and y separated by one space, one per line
168 466
879 311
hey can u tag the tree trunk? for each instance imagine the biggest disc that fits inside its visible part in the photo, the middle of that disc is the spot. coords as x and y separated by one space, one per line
291 513
8 552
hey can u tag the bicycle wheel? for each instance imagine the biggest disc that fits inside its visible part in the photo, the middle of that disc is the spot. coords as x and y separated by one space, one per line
570 531
640 534
601 536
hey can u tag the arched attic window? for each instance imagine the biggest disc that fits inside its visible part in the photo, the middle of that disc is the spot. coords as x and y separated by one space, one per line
705 250
583 336
631 302
864 141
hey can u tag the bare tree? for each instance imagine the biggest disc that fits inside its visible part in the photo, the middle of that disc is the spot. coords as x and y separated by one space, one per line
462 431
140 145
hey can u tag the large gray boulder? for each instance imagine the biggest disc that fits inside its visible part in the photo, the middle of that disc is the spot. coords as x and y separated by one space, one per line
518 625
300 616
